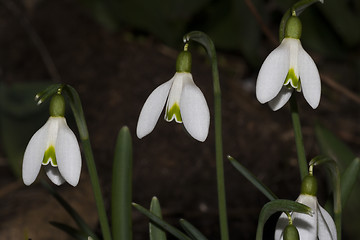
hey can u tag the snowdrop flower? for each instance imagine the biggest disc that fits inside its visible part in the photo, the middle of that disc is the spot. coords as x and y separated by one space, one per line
318 226
288 67
185 103
55 146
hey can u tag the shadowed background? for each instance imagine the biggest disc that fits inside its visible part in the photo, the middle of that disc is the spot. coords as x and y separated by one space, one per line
115 53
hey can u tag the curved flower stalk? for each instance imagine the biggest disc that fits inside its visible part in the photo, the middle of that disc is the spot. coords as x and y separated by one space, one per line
185 103
318 226
288 67
55 146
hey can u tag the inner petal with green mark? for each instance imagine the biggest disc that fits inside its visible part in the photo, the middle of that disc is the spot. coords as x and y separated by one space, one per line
50 157
292 81
173 113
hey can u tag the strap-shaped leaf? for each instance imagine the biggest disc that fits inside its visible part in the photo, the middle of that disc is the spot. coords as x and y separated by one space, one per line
79 235
161 223
278 205
193 232
332 146
253 179
122 187
75 216
349 179
155 232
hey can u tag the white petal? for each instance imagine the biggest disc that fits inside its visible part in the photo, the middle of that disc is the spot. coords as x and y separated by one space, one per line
281 99
309 78
34 154
280 226
272 74
194 111
68 154
305 224
54 175
326 225
152 108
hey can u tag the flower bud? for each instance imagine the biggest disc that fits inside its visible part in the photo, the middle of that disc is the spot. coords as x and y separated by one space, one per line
309 185
183 62
293 28
57 106
291 233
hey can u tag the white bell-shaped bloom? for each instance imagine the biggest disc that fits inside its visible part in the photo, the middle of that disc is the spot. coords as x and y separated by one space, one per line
286 68
318 226
55 146
184 102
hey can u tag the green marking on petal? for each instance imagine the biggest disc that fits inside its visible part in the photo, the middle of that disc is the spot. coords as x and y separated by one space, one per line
49 156
173 112
292 81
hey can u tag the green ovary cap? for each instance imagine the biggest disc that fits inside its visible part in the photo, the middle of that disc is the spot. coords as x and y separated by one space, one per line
183 62
49 156
309 185
293 28
292 81
57 106
174 111
291 233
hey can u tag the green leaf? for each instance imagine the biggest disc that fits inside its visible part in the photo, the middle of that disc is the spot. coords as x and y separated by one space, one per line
234 27
319 36
70 230
155 232
193 232
346 160
253 179
349 179
333 147
76 217
161 223
344 19
122 187
278 205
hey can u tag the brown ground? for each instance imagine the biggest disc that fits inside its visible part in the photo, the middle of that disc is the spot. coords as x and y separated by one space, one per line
114 73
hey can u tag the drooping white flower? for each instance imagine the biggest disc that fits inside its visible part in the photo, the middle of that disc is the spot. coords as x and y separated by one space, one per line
318 226
55 146
288 67
184 102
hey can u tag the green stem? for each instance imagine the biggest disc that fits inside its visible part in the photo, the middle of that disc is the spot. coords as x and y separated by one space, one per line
96 188
303 165
76 107
206 42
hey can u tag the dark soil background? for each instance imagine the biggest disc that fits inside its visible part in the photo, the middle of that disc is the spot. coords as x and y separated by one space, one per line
114 72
